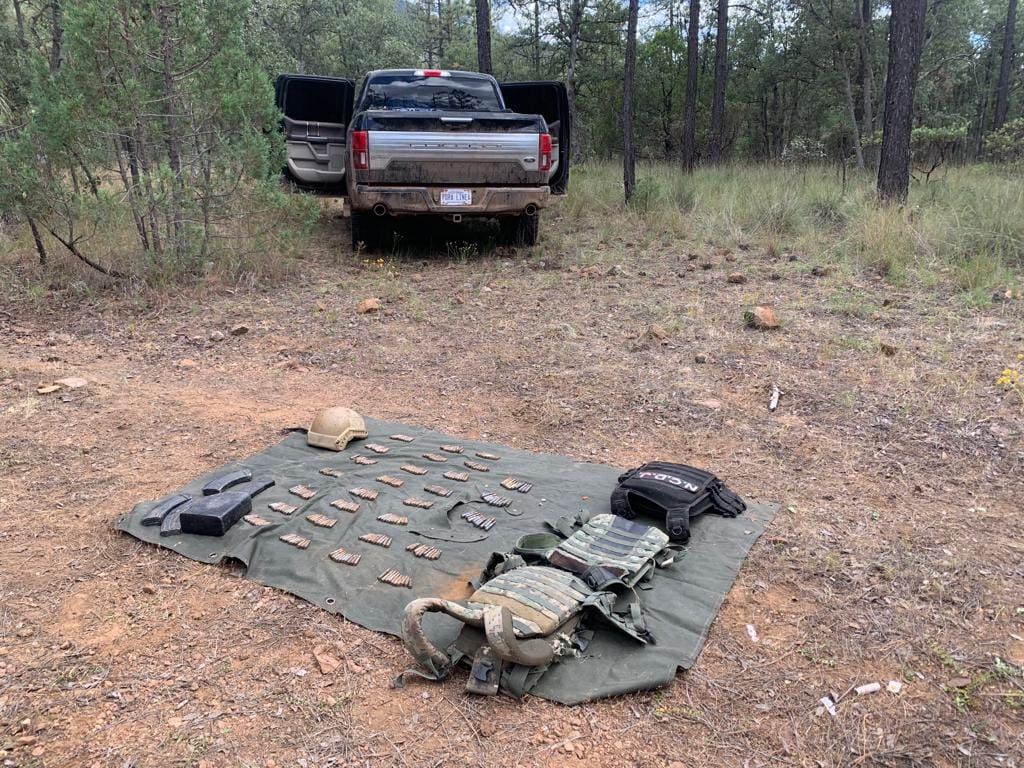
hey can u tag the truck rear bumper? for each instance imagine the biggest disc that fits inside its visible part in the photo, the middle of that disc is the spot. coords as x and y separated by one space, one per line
487 201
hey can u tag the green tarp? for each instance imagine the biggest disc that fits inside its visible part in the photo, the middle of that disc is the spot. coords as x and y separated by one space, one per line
679 603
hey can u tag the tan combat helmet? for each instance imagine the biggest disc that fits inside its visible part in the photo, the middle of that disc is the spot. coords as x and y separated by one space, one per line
334 427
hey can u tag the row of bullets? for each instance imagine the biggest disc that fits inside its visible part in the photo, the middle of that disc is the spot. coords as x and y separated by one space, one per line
476 465
513 484
414 502
295 540
348 558
481 521
395 578
403 438
376 447
412 469
255 520
363 460
394 482
322 520
387 517
376 538
302 491
438 490
284 509
460 477
496 500
423 550
345 505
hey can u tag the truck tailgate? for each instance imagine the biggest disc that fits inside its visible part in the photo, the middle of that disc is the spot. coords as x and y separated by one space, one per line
440 148
399 157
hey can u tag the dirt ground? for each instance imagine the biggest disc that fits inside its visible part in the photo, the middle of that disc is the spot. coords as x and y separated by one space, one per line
899 555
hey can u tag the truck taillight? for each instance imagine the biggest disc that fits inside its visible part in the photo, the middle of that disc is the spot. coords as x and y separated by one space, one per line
360 150
545 152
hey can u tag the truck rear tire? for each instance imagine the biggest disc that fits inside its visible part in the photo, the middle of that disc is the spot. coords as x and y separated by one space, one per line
365 230
520 231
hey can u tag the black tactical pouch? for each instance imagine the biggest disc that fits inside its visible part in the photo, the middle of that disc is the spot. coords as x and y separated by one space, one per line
676 491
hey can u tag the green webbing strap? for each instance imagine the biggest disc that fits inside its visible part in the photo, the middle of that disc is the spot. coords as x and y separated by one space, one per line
669 555
567 526
514 679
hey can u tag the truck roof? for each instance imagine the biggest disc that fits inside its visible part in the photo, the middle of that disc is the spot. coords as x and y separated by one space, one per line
459 72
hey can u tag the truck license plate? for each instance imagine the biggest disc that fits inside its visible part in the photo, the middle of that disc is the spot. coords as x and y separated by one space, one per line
456 197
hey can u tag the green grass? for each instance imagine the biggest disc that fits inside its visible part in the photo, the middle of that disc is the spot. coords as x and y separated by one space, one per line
966 229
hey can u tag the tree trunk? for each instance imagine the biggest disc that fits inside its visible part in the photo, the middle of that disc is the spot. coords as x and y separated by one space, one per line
716 143
690 103
867 86
628 146
851 109
40 247
440 34
483 36
536 39
906 30
56 35
1005 67
575 25
19 19
130 191
177 214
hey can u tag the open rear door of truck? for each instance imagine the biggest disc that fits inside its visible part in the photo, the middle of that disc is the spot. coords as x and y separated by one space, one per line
317 111
549 99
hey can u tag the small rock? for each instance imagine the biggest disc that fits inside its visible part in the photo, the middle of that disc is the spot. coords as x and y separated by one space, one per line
25 632
187 362
713 405
736 277
488 728
700 359
25 741
761 317
149 589
887 349
959 682
486 289
72 382
894 686
46 389
328 664
368 305
216 335
240 330
615 270
820 271
707 265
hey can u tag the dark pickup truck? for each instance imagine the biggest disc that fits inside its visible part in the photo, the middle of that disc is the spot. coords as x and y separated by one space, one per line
421 142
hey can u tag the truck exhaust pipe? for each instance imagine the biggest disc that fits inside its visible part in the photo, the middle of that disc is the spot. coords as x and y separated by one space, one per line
530 210
380 210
